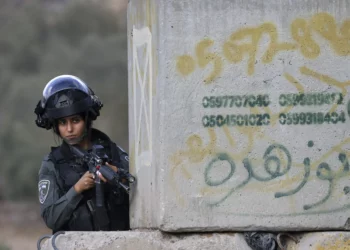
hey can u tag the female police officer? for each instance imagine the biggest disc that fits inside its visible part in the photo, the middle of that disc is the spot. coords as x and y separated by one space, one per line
66 192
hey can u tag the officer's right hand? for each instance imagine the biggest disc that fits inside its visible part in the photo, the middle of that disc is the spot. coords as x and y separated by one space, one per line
86 182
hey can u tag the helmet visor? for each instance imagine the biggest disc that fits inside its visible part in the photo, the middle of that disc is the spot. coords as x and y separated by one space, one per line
71 83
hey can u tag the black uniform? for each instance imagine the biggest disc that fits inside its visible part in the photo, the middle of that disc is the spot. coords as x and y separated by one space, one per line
63 209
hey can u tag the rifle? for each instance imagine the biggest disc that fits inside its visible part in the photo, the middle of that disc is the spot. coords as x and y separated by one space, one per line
96 160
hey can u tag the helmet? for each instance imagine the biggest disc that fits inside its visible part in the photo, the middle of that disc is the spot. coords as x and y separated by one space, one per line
63 96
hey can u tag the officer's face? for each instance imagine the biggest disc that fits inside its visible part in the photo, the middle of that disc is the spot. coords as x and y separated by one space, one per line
71 128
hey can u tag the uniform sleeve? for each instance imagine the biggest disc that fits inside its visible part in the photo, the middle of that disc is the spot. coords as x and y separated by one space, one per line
56 208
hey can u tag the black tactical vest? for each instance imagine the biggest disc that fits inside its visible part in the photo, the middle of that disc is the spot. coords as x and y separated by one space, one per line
115 214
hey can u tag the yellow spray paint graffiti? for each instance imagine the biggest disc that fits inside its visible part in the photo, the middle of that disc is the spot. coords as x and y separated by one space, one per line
205 58
185 64
235 53
235 48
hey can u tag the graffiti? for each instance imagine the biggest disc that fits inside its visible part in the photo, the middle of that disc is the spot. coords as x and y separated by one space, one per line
265 137
235 52
274 165
219 157
235 49
274 169
329 81
277 162
143 110
186 64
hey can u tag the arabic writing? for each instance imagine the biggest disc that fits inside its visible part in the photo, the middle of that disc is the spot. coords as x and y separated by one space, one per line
235 49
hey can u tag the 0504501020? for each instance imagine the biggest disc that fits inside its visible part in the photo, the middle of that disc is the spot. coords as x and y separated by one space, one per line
236 120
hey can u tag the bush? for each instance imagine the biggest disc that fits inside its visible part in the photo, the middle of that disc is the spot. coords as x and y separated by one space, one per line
4 247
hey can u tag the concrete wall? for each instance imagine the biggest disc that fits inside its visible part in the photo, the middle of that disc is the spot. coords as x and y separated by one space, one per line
143 117
242 119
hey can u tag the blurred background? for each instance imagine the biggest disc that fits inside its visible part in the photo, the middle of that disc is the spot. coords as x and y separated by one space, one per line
40 39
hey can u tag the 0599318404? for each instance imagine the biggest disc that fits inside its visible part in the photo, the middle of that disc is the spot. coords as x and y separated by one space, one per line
309 118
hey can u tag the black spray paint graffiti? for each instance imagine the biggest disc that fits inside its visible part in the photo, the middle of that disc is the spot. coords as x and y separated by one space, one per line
272 165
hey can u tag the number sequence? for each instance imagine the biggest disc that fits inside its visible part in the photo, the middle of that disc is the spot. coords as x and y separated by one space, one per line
236 120
311 118
310 99
236 101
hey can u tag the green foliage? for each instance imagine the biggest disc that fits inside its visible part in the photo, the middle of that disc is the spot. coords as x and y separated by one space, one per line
38 43
88 18
4 247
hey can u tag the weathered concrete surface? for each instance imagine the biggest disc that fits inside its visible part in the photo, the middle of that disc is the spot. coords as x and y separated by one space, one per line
155 240
145 198
321 241
239 114
151 240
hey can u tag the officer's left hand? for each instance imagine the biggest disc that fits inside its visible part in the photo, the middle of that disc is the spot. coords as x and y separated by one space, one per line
114 168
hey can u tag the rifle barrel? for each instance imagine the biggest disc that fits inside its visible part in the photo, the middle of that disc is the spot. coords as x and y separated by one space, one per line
78 152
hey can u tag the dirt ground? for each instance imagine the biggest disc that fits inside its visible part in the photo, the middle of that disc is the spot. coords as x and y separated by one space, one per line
20 225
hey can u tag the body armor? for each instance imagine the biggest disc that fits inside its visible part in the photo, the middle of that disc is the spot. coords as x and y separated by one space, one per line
115 215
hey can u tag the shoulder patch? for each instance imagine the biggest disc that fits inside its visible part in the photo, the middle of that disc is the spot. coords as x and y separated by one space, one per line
44 186
126 158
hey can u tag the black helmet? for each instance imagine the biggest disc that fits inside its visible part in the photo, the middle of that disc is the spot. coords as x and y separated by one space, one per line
63 96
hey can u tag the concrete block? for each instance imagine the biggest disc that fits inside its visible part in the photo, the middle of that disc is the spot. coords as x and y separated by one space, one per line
150 240
239 114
